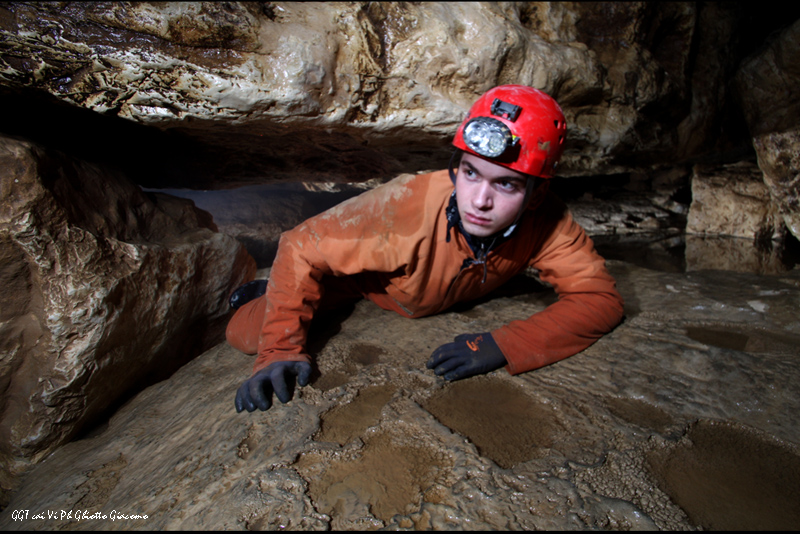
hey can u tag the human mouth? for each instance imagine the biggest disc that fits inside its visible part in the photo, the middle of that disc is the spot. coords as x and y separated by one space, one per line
474 219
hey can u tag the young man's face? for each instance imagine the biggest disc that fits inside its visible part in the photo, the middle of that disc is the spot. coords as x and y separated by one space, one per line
490 196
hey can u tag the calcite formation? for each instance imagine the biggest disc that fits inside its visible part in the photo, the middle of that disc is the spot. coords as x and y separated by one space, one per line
316 87
104 288
733 201
768 85
685 416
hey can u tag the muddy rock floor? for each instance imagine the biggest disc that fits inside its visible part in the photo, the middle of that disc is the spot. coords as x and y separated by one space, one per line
686 416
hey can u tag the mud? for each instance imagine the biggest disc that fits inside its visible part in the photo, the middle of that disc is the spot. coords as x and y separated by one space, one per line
344 423
641 414
729 477
745 339
387 477
502 421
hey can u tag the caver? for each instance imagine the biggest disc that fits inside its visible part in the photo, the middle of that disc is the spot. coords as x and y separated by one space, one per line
421 243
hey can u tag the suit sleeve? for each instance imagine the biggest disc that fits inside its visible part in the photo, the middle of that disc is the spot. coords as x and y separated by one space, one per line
588 305
348 239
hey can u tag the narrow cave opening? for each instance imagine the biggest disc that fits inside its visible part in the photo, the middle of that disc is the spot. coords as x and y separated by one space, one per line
253 194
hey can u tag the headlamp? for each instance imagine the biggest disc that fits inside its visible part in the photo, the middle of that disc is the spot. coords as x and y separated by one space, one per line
488 137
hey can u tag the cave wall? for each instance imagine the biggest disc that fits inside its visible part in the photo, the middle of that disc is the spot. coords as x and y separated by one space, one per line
255 92
105 289
768 89
347 91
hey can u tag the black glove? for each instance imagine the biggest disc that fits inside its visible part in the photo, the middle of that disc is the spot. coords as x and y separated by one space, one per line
470 354
256 391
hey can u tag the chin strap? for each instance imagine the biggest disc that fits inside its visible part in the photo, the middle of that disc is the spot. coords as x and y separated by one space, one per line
538 193
535 191
454 160
453 218
480 246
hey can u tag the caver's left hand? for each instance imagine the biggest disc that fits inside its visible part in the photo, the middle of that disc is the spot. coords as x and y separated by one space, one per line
468 355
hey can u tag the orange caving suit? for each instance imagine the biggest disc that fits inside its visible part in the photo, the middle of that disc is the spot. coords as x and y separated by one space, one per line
390 246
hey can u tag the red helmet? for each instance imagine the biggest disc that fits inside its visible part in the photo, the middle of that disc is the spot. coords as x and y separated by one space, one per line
515 126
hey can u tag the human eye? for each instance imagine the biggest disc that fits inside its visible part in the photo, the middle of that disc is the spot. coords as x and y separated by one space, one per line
508 186
468 171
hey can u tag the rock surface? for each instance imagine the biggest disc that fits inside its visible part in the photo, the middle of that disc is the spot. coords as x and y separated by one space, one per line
732 200
104 288
685 416
346 91
768 84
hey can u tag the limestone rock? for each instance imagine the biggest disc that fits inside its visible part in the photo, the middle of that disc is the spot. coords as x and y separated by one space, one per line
703 253
768 85
718 36
346 91
104 288
732 200
377 441
779 158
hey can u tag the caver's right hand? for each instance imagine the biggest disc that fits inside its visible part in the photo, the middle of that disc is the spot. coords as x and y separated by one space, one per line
256 391
468 355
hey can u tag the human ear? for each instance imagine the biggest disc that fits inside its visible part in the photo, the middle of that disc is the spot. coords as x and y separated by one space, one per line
538 194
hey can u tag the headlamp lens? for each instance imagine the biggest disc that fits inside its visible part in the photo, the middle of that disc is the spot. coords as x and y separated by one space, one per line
487 137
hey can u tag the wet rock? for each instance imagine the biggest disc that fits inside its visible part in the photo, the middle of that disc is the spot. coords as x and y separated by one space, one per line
768 84
730 477
735 254
626 214
393 446
733 222
106 288
778 158
732 200
348 91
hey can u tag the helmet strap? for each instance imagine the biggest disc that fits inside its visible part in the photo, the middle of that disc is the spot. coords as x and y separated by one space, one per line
540 189
455 159
535 189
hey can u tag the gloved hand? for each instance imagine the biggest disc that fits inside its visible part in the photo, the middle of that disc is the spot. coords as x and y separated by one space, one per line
256 391
470 354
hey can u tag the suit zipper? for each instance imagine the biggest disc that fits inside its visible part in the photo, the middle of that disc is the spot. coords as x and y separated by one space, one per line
480 258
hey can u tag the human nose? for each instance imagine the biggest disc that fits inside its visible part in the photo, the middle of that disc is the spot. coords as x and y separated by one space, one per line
483 196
